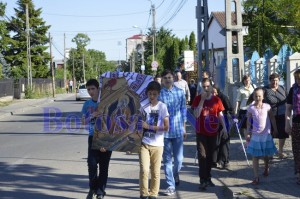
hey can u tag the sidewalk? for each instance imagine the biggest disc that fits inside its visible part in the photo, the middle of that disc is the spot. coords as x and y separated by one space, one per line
231 183
22 105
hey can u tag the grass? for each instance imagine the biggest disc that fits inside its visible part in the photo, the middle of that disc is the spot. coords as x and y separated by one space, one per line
2 104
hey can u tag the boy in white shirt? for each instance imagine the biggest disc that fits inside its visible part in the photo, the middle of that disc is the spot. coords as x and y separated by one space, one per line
155 125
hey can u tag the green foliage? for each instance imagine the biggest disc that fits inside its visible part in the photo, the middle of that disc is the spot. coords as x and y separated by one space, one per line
270 25
16 54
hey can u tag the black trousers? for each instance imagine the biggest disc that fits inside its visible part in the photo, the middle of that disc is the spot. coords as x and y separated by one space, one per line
95 158
205 149
221 151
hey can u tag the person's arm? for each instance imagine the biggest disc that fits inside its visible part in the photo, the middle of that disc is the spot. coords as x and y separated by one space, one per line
238 102
222 121
288 115
188 94
249 118
273 122
199 88
199 108
288 111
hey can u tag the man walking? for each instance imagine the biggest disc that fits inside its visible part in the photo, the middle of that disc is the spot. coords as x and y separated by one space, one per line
175 100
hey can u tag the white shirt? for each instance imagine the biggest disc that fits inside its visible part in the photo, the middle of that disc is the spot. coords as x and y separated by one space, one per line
182 84
161 109
243 95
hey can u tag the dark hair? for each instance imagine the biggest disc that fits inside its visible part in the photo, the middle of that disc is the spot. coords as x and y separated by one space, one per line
244 78
157 76
206 72
153 86
216 87
297 74
92 82
259 88
205 80
167 71
273 76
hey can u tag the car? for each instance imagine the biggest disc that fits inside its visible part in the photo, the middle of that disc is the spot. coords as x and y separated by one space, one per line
82 93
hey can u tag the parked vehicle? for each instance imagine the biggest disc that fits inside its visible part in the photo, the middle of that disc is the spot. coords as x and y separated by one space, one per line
82 93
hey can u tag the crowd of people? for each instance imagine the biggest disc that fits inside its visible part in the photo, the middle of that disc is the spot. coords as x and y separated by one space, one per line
260 112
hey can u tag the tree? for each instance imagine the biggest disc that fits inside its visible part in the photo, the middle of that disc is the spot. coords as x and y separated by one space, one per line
16 55
5 71
192 42
81 40
270 25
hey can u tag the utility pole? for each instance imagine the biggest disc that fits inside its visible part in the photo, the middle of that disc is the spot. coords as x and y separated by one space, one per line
73 70
65 61
29 70
153 31
83 68
52 67
202 34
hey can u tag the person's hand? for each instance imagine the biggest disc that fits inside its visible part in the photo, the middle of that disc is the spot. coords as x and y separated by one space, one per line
96 114
145 125
203 95
225 133
248 137
185 135
288 128
197 111
102 149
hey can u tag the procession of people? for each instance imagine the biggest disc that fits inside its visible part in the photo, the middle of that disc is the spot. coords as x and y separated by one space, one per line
259 113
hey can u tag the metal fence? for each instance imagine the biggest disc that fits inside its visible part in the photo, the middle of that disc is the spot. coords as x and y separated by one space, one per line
6 87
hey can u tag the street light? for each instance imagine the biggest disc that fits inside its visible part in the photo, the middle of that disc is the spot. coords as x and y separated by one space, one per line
142 45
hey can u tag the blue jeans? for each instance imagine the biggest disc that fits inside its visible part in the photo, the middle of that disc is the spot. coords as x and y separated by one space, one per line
172 146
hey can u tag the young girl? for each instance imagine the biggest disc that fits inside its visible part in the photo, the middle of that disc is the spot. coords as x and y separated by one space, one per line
156 124
259 127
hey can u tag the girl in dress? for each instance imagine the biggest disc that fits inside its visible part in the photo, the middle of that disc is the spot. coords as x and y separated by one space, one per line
261 144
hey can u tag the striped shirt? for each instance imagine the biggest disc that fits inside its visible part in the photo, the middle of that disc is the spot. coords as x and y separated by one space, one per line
175 100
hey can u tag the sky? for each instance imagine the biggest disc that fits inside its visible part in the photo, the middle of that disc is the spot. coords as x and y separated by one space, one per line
108 23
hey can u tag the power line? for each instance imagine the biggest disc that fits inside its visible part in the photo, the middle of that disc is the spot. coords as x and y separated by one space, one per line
95 16
182 3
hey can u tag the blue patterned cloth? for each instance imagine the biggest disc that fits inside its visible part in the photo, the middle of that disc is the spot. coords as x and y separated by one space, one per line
261 145
175 101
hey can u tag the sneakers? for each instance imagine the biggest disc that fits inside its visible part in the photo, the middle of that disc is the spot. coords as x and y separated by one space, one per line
91 194
177 180
203 185
170 191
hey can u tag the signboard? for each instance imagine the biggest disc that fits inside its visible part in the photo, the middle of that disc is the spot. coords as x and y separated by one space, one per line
118 127
154 65
189 60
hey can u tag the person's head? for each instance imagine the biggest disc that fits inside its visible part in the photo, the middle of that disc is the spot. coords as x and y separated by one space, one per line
92 87
192 81
258 94
215 90
205 74
178 75
206 86
297 76
246 80
153 90
274 80
167 78
157 78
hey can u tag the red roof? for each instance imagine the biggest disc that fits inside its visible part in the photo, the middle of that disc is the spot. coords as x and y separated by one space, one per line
139 36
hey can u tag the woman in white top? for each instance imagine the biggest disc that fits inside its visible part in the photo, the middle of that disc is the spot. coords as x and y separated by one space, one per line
243 95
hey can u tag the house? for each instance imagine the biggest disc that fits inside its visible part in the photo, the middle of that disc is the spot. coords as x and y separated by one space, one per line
134 43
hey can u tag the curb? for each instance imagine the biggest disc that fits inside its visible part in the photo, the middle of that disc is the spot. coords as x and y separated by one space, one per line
26 105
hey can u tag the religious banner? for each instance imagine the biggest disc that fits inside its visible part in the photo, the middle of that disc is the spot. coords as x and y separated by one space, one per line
118 126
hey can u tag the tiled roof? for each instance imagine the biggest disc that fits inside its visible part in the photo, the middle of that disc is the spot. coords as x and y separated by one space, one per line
135 37
221 18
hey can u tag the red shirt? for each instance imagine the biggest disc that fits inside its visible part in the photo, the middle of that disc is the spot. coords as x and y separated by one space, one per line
208 122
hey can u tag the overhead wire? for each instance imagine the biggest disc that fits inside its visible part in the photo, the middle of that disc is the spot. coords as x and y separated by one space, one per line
180 6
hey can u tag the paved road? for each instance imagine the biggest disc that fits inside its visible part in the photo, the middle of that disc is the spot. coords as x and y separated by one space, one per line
37 164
